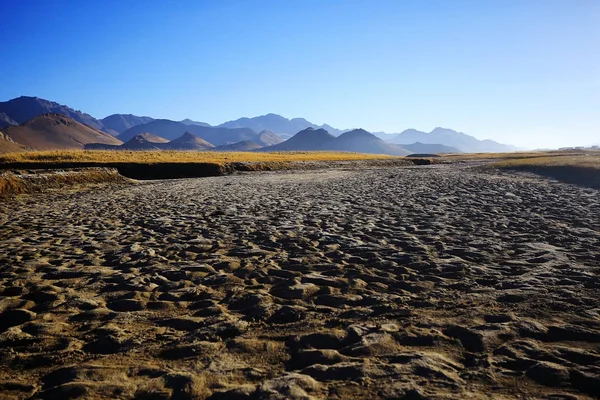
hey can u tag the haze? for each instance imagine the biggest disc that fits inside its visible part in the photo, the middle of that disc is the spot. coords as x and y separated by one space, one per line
524 73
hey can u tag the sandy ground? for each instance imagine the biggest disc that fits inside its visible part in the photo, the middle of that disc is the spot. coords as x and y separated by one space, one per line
422 282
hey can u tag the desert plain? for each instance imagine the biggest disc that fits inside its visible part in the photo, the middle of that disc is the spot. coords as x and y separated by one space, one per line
446 281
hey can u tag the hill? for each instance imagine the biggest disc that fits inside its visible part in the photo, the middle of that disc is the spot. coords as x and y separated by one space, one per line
7 145
449 137
308 139
267 138
246 145
277 124
23 109
5 120
425 148
358 141
214 135
118 123
188 121
361 141
188 141
54 131
144 141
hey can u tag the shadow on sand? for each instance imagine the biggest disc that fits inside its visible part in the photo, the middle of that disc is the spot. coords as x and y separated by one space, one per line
581 176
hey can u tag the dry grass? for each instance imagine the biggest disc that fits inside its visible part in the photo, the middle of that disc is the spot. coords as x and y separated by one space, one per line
18 183
155 157
590 160
518 155
580 169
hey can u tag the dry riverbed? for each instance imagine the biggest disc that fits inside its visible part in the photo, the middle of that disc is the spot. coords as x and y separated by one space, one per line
445 281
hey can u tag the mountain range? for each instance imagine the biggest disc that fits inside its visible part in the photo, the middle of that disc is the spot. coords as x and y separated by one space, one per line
263 133
357 140
279 125
55 131
216 135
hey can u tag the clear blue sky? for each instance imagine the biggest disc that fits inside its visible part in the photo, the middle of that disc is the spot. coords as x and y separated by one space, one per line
525 72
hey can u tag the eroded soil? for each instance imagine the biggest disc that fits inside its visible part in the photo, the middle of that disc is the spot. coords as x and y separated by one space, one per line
423 282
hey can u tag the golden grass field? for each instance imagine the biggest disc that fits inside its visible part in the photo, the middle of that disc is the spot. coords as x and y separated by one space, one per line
590 160
107 156
575 166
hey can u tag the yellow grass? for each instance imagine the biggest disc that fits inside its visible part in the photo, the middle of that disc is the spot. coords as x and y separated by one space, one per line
519 155
16 183
590 160
152 157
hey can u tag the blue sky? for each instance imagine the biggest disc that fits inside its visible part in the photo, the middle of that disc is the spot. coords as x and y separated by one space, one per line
525 72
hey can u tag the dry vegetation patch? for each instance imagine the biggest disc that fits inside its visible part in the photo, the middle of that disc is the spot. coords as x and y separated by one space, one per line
152 157
579 168
19 182
584 160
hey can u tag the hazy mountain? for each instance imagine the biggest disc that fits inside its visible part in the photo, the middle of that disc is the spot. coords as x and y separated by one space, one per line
118 123
188 141
144 141
215 135
245 145
164 128
385 136
358 140
7 145
127 126
23 109
5 120
449 137
188 121
361 141
305 140
55 131
277 124
426 148
267 138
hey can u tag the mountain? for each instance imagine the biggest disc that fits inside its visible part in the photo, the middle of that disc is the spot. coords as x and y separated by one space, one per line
55 131
358 140
245 145
144 141
161 127
214 135
118 123
449 137
361 141
267 138
7 145
188 141
188 121
277 124
305 140
23 109
425 148
5 120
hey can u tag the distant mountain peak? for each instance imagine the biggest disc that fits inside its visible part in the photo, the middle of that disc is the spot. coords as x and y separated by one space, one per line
24 108
359 133
188 135
277 124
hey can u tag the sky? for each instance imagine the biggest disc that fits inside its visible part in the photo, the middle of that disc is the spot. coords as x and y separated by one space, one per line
522 72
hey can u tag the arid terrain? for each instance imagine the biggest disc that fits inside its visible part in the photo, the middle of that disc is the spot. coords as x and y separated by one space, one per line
443 281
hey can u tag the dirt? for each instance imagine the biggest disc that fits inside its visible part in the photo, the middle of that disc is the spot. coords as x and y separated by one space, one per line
442 282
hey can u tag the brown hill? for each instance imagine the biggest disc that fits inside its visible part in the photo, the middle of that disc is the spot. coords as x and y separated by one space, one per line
188 141
245 145
7 145
361 141
144 141
309 139
54 131
267 138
